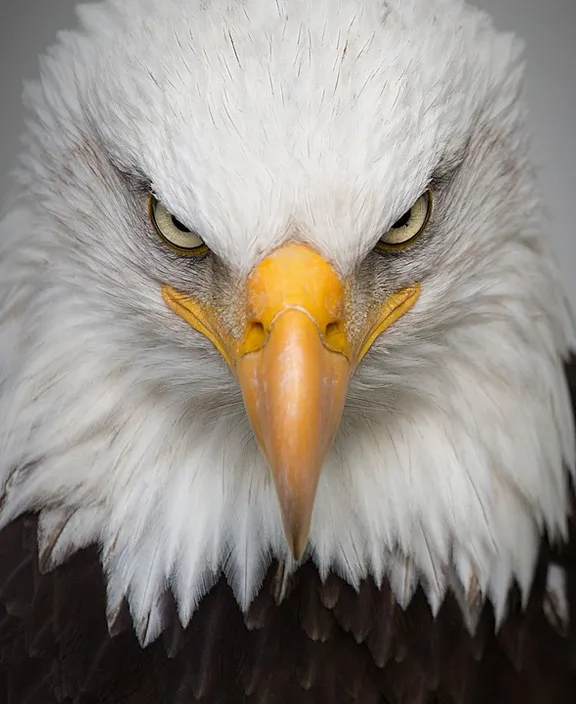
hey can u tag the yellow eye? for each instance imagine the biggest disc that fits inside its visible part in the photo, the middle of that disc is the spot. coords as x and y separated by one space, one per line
409 227
172 232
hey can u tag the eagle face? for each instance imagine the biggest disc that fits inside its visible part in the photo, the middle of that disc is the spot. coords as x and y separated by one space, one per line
276 286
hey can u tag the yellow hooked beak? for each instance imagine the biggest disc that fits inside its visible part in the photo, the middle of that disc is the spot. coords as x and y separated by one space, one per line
293 362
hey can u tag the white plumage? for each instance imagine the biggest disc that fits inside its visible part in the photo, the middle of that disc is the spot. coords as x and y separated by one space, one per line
256 123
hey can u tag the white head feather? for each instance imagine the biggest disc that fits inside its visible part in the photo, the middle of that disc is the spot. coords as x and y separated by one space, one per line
254 120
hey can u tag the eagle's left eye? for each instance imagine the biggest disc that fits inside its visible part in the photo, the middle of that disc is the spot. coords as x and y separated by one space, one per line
410 226
172 232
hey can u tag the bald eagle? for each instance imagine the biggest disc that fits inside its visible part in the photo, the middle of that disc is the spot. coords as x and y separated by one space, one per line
283 406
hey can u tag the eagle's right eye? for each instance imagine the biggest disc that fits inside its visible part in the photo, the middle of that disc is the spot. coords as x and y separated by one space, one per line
173 233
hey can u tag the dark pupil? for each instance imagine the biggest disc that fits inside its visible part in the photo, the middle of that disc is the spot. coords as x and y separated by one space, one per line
403 220
179 225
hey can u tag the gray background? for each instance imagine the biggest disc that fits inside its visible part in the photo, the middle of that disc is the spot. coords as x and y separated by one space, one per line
548 27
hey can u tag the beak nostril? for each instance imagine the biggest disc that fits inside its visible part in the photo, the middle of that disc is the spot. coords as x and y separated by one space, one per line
255 335
333 328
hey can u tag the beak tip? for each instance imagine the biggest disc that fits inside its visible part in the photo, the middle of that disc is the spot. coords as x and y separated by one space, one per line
297 539
297 549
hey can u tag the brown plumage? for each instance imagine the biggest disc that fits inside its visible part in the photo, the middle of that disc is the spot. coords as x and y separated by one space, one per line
322 643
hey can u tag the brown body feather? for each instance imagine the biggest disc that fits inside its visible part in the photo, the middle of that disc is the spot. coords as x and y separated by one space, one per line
323 643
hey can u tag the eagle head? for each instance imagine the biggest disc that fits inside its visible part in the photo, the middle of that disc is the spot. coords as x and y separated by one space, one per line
276 286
